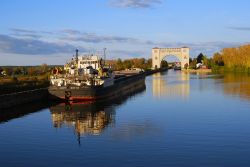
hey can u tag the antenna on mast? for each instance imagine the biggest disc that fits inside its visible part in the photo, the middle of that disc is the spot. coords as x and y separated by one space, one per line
104 50
76 54
77 61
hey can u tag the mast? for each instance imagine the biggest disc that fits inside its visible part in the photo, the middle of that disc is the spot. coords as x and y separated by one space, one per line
104 50
77 61
77 56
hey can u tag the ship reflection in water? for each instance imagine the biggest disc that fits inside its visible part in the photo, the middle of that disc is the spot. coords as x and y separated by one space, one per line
88 118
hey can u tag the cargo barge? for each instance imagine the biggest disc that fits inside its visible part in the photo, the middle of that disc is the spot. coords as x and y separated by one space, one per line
88 78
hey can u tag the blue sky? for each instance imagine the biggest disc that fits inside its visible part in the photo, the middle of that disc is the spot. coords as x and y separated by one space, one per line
48 31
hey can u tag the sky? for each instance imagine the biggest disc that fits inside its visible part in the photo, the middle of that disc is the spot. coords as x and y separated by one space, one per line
34 32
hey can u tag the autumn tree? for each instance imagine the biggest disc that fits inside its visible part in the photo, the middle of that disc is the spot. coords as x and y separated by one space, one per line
32 71
236 59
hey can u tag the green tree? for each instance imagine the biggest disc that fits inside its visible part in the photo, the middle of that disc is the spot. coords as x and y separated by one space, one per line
127 64
192 64
17 71
119 64
164 64
200 58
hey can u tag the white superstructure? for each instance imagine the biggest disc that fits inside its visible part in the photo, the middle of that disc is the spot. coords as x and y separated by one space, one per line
89 60
84 70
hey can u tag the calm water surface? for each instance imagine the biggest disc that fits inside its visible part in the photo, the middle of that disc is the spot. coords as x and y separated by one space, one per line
178 120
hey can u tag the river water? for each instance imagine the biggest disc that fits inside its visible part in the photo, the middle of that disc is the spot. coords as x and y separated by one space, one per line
180 119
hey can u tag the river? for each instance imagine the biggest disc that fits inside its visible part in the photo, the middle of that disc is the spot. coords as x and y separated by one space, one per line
180 119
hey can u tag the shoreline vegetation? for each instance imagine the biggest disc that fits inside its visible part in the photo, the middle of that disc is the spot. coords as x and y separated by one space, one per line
23 78
229 60
24 83
233 60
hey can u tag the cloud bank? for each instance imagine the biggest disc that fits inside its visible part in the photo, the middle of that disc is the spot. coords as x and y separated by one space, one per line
240 28
75 35
134 3
14 45
45 44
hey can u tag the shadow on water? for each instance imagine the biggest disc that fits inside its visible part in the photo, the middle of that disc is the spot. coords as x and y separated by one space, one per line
18 111
88 118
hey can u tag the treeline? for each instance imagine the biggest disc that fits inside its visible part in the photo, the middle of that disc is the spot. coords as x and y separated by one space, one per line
233 59
142 63
120 64
229 59
26 70
22 78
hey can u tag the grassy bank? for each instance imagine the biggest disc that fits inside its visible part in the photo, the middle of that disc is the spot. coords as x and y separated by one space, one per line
22 83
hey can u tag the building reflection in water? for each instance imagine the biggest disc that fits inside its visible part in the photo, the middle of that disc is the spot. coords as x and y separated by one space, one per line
174 84
90 118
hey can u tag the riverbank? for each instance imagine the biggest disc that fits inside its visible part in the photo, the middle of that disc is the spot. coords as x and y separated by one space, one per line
150 72
14 84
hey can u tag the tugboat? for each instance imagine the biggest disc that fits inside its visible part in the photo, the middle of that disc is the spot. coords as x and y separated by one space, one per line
87 78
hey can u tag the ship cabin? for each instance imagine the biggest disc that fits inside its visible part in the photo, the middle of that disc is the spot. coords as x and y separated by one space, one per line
81 65
85 62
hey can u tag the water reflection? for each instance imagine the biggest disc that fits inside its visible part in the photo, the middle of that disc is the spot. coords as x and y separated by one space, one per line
233 84
88 118
85 118
176 84
237 85
209 129
22 110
